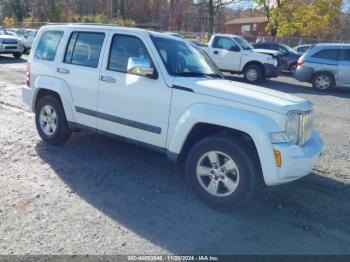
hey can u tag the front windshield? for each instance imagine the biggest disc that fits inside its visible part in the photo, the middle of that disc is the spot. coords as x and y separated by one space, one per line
2 31
290 50
184 59
243 43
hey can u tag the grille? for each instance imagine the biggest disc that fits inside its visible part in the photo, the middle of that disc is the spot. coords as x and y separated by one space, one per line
6 42
305 127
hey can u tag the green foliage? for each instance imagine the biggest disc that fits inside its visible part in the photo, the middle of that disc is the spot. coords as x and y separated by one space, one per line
311 19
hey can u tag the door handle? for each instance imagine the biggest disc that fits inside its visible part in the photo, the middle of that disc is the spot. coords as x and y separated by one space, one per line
107 79
216 52
62 70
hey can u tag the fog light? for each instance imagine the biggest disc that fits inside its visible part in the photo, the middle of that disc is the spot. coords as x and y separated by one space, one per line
278 157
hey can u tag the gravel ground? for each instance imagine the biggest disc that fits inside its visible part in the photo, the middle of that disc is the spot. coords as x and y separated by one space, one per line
95 195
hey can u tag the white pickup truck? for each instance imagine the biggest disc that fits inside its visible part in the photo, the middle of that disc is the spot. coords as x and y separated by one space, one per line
165 93
234 54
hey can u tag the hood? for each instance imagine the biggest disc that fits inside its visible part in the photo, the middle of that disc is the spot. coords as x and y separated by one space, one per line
252 95
9 37
267 51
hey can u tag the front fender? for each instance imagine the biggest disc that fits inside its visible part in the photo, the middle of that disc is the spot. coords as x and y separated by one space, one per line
255 125
61 88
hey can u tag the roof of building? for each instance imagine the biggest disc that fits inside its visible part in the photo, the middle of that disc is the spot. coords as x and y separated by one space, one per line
247 20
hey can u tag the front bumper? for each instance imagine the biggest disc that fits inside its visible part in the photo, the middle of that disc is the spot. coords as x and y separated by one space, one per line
9 49
271 71
28 96
298 161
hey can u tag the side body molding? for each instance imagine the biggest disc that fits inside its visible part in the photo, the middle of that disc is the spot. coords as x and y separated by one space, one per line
255 125
60 87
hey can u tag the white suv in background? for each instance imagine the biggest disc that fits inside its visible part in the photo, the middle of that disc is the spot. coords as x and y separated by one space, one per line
167 94
10 44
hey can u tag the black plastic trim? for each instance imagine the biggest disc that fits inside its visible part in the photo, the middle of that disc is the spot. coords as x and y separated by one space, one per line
119 120
183 88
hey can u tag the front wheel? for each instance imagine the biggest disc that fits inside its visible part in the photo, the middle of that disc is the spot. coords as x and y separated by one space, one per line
253 74
51 121
17 55
222 171
293 68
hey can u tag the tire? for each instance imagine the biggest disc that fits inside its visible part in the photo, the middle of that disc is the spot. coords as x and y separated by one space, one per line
56 117
17 55
293 68
323 82
253 74
245 173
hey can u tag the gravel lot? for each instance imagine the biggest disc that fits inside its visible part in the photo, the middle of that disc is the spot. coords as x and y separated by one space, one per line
95 195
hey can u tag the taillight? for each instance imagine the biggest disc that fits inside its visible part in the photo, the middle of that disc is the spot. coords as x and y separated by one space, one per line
301 63
28 75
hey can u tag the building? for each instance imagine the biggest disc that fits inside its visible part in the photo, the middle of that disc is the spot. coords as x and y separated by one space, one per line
246 25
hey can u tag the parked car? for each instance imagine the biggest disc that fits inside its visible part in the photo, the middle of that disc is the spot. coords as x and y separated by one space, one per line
26 35
10 44
162 92
301 49
289 56
28 39
325 66
234 54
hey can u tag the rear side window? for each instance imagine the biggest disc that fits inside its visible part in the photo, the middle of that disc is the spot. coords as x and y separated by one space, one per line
48 45
328 54
345 55
123 47
84 49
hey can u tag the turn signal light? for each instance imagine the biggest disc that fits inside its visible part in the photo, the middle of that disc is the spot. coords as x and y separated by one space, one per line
278 157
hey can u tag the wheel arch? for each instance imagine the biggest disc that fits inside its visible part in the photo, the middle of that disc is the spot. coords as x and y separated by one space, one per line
257 63
205 120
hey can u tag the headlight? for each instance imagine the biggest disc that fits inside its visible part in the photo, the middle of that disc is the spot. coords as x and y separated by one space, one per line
292 127
299 127
271 60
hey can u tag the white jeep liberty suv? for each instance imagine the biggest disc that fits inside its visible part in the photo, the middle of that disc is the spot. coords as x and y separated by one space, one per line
167 94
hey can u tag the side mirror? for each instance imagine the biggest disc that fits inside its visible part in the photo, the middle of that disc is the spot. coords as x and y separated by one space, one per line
140 66
235 48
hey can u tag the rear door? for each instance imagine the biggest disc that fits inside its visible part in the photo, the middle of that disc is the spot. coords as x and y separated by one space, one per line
226 53
344 68
79 69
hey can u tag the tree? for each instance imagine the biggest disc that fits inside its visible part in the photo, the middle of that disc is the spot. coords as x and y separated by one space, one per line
309 19
268 8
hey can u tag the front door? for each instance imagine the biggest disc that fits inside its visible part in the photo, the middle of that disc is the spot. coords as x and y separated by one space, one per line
226 53
131 105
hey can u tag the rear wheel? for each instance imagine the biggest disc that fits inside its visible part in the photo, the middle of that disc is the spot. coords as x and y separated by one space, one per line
51 121
323 82
17 55
253 74
222 171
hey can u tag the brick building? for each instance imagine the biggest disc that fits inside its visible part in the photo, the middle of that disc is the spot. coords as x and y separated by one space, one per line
246 25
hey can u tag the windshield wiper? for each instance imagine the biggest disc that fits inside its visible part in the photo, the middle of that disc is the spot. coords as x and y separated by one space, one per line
197 74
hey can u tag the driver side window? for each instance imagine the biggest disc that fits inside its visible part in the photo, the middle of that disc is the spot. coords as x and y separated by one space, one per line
224 43
123 47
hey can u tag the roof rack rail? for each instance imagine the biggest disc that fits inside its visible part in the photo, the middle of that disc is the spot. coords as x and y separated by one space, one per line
82 24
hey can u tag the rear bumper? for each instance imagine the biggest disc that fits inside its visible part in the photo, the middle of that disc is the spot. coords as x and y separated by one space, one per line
304 74
298 161
271 71
28 96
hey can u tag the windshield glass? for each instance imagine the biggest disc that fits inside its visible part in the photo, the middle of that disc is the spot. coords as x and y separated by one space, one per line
290 50
184 59
2 31
243 43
